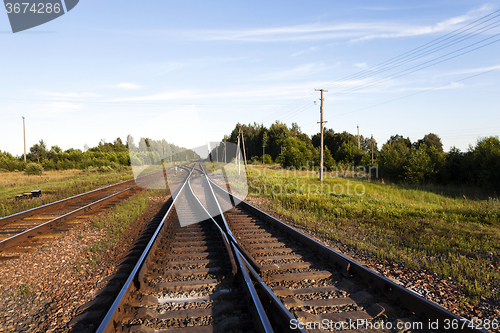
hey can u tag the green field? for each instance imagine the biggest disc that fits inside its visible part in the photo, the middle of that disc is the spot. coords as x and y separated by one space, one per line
55 185
454 232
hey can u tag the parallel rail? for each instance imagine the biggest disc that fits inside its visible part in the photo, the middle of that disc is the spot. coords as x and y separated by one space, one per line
188 246
305 282
421 308
24 226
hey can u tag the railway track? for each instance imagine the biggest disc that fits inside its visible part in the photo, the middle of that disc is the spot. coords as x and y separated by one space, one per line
20 232
214 266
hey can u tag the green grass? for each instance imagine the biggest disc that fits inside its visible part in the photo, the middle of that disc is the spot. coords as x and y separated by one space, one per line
55 185
116 221
440 229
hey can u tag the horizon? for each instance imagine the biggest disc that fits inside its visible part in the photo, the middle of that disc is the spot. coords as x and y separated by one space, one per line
188 74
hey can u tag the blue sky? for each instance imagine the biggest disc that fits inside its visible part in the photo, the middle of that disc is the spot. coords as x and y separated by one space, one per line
189 71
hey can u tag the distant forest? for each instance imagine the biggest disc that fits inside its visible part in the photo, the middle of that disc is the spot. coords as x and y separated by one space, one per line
399 159
105 156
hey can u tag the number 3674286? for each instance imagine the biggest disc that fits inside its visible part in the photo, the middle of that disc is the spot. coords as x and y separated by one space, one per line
35 8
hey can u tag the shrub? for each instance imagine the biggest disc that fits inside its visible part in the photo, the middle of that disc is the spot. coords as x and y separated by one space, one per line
34 169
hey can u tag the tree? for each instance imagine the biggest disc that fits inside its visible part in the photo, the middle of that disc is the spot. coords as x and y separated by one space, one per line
38 151
431 140
278 134
399 138
264 142
393 158
296 153
485 162
349 153
418 166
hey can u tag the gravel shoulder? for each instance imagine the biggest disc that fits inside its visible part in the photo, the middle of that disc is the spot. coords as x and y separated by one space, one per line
42 291
445 292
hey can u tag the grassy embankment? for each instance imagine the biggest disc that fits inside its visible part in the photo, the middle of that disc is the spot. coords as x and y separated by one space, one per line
441 229
55 185
117 219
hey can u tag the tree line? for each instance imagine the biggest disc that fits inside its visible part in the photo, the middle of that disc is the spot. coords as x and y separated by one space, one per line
103 157
399 159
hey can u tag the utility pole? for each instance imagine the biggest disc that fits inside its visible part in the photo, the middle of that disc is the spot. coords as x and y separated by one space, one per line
321 122
359 143
225 156
237 153
372 149
244 149
24 135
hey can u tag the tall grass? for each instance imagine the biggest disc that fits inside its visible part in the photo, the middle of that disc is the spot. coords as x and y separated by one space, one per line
446 233
55 185
117 220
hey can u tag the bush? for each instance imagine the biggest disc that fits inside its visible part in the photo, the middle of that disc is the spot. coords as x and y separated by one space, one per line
34 169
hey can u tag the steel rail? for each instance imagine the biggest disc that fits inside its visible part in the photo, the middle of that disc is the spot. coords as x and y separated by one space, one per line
282 310
107 323
240 248
411 300
27 213
249 262
37 230
265 325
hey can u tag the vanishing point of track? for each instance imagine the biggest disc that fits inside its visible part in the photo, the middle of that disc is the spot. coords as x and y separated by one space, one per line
217 264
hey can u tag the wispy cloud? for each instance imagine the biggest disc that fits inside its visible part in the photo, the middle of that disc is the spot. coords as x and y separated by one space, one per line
452 85
163 96
286 91
70 95
361 65
61 106
472 70
128 86
304 69
355 31
442 26
311 49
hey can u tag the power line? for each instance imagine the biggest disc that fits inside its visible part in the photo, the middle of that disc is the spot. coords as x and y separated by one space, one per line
454 37
420 92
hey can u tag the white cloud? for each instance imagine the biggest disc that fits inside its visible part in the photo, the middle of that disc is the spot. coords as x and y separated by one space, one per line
71 95
452 85
473 70
62 106
355 31
311 49
128 86
443 26
361 65
163 96
301 70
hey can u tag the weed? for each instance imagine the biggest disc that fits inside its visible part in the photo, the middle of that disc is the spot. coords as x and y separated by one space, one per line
431 228
116 221
25 290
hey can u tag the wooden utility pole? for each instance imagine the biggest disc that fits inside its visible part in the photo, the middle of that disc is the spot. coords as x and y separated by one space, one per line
24 136
321 122
359 143
244 149
225 154
372 149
